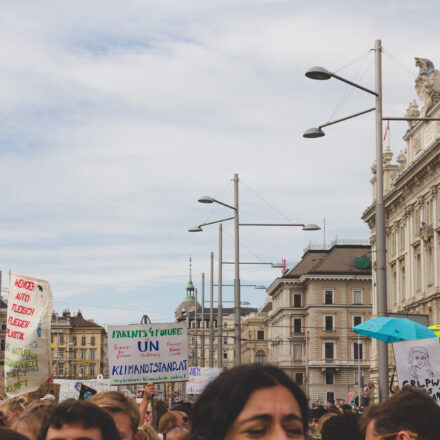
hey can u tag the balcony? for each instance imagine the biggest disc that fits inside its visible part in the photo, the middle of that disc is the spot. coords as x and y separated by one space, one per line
339 362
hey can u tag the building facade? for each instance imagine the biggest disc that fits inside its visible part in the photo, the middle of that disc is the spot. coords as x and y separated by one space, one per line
78 347
412 209
315 305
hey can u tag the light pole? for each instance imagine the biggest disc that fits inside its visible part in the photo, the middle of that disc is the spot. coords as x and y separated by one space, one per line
237 224
320 73
202 351
211 315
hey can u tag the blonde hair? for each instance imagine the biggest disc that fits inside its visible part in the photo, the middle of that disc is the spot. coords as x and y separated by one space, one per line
116 402
322 420
148 432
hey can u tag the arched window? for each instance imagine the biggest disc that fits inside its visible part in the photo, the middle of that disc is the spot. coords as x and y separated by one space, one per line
260 357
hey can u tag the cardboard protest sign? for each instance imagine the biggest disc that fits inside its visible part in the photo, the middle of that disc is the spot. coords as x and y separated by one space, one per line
71 389
418 364
199 377
46 388
147 353
27 347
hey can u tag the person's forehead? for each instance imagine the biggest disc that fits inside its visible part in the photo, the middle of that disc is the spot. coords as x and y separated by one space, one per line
75 431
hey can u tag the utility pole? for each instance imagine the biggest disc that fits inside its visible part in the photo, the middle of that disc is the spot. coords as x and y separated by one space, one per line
203 322
211 315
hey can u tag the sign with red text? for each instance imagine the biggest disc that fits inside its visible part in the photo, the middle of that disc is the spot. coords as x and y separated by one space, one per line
27 345
143 353
199 377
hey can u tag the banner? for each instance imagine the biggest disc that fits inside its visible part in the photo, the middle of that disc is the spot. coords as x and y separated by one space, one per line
27 347
418 364
199 377
45 389
147 353
71 389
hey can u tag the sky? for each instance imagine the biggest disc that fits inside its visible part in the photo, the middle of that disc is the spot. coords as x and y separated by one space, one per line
115 117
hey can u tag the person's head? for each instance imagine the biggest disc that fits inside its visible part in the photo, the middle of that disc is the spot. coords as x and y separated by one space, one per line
79 419
330 402
324 419
167 422
371 384
408 412
10 409
10 434
177 433
343 427
124 411
160 408
249 398
148 432
33 418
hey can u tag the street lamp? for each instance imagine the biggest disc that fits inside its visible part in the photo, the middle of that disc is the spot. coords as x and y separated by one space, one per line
320 73
235 208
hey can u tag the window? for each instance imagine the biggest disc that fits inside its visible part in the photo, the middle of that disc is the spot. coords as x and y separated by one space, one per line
225 355
61 353
73 340
418 270
60 369
402 281
83 354
297 352
330 396
329 377
4 328
225 324
92 340
357 296
73 354
328 296
297 325
83 340
61 339
299 378
92 369
260 335
357 350
225 340
328 320
296 300
357 320
260 357
2 345
329 350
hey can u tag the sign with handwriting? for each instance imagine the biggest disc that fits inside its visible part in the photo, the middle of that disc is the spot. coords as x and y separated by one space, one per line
141 353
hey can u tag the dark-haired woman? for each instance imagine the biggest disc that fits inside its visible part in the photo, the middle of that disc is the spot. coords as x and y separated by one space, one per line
250 402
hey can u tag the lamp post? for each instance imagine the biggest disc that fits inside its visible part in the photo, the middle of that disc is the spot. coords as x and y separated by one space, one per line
320 73
237 224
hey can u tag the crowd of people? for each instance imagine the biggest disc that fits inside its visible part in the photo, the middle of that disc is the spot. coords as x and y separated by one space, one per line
243 403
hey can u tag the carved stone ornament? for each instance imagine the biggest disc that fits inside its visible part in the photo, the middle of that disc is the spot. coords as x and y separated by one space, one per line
387 156
427 84
401 159
412 112
426 231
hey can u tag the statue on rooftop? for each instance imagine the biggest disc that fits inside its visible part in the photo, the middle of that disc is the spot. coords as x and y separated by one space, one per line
427 84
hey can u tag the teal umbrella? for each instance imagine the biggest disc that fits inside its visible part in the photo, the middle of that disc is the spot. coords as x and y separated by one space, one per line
390 329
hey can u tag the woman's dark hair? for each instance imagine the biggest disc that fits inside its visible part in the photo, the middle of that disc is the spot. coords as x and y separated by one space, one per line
224 398
72 411
10 434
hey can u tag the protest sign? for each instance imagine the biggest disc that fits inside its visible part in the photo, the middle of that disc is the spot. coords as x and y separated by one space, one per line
199 377
147 353
418 364
27 347
71 389
45 389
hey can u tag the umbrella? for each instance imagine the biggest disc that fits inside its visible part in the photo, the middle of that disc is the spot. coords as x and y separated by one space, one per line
436 329
389 329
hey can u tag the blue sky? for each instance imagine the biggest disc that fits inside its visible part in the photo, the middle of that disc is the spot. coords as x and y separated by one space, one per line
115 117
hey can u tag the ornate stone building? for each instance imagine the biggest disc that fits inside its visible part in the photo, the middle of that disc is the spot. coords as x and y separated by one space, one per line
315 305
78 347
412 206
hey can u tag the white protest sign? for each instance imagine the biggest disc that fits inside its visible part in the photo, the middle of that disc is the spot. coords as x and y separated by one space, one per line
418 364
27 347
199 377
70 388
147 353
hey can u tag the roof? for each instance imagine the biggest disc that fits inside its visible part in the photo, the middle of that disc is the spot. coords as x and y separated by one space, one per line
79 321
340 259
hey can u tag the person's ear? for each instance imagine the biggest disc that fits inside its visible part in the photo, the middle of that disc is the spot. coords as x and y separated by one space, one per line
137 436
